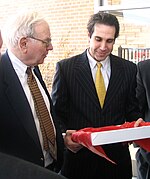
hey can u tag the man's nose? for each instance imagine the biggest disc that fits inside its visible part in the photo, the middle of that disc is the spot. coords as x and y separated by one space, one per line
50 47
103 45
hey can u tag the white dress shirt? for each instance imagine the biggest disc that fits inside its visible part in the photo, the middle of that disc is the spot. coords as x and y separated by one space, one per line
20 69
105 69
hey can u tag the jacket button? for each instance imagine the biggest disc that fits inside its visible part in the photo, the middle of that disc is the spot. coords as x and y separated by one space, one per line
42 159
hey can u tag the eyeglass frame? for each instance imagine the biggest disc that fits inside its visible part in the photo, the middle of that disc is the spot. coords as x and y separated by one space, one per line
48 43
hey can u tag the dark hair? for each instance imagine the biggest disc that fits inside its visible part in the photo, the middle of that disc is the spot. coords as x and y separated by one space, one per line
103 18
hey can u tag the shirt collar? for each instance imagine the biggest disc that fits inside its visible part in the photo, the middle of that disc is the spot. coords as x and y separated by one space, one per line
105 63
18 65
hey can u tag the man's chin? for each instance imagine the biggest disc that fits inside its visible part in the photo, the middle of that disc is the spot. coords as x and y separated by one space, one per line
100 58
41 61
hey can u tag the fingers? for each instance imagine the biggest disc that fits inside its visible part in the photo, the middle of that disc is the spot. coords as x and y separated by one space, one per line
70 144
137 123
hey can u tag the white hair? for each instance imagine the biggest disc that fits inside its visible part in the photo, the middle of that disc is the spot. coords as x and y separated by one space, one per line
20 25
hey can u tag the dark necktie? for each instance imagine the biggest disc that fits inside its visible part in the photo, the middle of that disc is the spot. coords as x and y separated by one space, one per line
43 115
100 86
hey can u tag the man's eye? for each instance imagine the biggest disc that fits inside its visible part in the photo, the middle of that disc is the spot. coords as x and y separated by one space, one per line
110 41
98 39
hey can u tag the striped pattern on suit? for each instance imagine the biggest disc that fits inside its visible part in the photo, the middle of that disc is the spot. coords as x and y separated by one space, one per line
77 106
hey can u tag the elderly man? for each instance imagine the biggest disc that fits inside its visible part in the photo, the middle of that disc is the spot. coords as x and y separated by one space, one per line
25 104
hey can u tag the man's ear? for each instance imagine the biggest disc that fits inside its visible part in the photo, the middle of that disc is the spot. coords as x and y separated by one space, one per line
89 36
23 44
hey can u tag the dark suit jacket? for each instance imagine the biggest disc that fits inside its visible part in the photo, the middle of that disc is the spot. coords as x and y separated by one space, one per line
18 134
143 94
77 106
143 88
15 168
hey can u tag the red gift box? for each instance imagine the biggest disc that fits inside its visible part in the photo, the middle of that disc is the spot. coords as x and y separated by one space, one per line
140 135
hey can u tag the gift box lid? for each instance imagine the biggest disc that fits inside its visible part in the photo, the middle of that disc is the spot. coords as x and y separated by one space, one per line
120 135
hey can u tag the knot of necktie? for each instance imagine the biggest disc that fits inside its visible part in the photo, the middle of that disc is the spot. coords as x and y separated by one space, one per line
28 71
99 65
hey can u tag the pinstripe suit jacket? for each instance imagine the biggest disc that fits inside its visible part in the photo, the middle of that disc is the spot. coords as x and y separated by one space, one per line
18 134
76 102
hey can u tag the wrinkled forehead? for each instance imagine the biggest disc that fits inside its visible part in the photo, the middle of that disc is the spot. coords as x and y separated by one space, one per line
42 29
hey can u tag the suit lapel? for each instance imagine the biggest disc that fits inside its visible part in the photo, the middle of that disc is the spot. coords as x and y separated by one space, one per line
84 77
38 74
115 81
17 99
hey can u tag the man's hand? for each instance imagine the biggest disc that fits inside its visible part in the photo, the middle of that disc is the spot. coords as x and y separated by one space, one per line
137 123
69 143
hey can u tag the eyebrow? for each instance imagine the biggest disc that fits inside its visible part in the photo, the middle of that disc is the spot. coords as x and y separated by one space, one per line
103 38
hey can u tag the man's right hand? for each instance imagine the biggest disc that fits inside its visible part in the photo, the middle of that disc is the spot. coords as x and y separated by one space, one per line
69 143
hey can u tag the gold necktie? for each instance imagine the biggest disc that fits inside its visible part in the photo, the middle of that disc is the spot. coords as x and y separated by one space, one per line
43 115
100 86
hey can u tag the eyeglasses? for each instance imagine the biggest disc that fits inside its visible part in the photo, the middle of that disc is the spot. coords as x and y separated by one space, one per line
47 42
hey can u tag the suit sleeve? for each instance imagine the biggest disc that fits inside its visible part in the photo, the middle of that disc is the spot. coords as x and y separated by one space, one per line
60 97
140 90
132 106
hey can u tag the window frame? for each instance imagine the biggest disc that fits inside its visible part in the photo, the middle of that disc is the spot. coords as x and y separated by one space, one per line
101 5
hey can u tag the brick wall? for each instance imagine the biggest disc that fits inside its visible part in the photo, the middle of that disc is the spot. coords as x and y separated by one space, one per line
67 19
